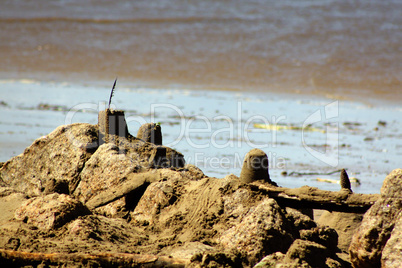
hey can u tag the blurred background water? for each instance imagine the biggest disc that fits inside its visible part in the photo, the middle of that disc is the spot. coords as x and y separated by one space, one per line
334 48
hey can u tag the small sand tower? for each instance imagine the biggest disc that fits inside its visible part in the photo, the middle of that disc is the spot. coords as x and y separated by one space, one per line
111 122
344 181
255 167
150 132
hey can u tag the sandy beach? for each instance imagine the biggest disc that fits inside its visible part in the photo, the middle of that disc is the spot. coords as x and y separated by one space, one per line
312 88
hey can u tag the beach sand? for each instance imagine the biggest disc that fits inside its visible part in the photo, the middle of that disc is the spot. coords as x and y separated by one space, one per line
315 85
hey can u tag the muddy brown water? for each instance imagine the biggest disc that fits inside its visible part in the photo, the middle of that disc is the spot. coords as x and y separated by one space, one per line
328 48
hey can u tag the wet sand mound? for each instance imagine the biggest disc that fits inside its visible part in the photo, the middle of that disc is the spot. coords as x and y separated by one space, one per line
73 199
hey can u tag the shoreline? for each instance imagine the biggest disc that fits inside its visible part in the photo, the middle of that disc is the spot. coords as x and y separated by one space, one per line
367 97
37 108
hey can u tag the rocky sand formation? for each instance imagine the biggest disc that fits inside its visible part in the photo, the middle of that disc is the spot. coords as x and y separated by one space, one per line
96 196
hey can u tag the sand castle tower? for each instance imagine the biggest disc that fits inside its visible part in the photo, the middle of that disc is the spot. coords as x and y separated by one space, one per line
255 167
111 122
150 132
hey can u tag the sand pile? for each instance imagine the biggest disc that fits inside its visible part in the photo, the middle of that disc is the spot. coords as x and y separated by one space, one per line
88 196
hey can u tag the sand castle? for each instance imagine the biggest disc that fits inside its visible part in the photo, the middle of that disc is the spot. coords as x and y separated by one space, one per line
95 195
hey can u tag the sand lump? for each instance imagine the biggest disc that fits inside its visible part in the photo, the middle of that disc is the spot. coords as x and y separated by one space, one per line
72 200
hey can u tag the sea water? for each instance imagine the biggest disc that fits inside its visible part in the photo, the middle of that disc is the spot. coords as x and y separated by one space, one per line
341 49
